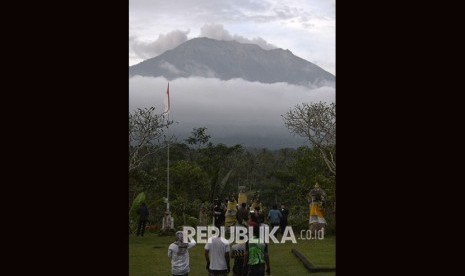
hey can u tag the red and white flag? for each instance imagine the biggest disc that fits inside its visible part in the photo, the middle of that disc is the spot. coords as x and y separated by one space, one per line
167 100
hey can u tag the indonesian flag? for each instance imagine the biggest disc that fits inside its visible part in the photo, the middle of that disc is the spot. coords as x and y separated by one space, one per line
167 100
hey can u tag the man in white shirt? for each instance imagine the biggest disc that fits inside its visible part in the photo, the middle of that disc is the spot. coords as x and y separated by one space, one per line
179 254
217 256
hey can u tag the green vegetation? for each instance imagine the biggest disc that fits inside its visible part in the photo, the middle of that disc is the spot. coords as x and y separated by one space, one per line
200 173
148 256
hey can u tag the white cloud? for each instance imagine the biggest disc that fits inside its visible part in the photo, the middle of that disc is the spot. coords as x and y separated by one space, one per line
217 31
170 67
154 48
241 101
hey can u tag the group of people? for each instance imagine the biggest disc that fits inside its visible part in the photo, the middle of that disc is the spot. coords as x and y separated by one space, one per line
277 217
250 257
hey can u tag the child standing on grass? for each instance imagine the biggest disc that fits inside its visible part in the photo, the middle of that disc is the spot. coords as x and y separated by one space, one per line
179 254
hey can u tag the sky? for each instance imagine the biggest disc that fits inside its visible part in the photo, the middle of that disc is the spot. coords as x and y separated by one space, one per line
235 108
305 27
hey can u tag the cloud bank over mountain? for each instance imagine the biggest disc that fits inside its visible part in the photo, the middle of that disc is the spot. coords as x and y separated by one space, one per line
234 111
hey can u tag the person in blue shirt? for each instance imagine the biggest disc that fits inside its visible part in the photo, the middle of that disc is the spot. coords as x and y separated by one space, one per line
275 216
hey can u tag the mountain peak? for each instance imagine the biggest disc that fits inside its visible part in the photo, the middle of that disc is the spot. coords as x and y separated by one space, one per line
225 60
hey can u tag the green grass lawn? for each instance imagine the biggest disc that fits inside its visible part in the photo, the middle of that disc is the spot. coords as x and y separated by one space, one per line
148 255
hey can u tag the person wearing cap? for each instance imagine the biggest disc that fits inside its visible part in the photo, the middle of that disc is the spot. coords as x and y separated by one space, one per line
178 252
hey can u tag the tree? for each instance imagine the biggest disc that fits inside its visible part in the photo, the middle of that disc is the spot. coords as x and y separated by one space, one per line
190 186
198 137
317 123
216 161
145 131
189 180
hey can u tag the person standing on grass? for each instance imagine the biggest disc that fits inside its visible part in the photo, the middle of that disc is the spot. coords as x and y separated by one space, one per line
285 213
218 214
275 216
256 255
143 213
243 214
238 252
178 252
258 214
217 256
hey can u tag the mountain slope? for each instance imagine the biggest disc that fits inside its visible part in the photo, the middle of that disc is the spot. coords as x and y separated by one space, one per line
204 57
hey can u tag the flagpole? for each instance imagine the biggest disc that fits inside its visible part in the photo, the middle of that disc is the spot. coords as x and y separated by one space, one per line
168 153
168 175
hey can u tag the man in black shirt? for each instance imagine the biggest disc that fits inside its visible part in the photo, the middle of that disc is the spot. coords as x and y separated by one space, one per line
285 213
143 213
